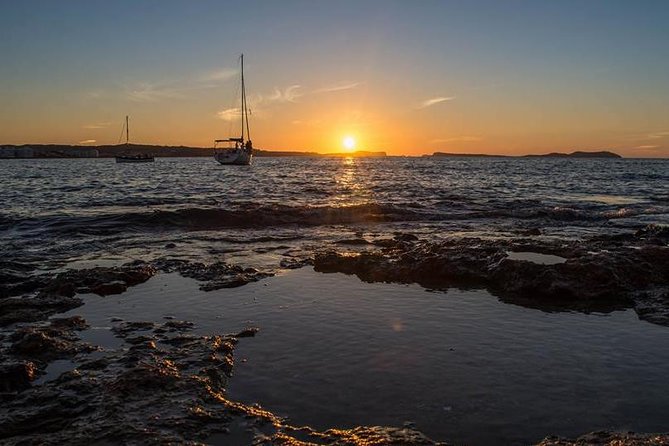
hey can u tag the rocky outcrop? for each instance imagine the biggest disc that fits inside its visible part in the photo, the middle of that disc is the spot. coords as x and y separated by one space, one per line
600 274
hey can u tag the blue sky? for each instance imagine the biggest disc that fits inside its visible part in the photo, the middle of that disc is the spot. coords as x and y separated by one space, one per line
519 76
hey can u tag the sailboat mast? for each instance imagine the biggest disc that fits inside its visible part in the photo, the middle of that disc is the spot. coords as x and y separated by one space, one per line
244 105
127 130
242 68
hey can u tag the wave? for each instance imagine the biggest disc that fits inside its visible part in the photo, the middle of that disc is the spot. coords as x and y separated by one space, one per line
254 216
211 219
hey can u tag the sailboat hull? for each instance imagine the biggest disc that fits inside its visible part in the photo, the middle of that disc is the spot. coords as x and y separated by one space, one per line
236 157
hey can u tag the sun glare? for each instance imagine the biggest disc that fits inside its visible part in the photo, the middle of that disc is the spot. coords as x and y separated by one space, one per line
349 143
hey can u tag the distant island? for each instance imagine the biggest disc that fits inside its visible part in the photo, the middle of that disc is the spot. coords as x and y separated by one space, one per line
110 151
577 154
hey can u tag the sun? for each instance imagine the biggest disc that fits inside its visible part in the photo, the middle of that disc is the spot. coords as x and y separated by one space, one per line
348 143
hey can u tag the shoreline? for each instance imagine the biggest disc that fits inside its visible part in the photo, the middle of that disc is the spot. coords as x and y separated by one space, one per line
165 361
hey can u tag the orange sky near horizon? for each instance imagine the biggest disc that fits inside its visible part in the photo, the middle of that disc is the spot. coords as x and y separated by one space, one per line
445 76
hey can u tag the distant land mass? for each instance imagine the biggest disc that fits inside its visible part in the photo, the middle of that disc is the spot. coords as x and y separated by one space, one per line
577 154
110 151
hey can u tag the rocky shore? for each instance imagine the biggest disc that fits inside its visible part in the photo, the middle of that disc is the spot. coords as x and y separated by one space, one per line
167 384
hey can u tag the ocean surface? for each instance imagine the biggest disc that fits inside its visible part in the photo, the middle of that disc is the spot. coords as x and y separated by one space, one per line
333 351
56 212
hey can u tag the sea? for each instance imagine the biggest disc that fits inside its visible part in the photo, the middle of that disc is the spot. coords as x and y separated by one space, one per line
333 351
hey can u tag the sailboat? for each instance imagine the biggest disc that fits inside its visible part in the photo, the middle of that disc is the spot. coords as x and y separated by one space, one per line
128 158
239 150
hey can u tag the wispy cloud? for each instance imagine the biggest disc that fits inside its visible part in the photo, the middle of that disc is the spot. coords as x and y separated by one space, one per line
219 75
433 101
309 122
259 103
229 114
647 147
657 135
148 92
93 94
178 88
341 86
288 94
97 125
457 139
87 141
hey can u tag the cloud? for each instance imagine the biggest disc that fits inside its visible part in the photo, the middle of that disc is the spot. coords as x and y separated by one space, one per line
178 88
259 103
657 135
93 94
97 125
288 94
309 122
230 114
457 139
341 86
648 147
433 101
148 92
87 141
219 75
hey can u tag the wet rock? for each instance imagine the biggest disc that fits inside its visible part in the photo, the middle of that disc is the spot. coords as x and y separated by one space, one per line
173 325
142 395
158 374
69 323
653 305
222 344
96 364
46 344
248 332
600 275
405 237
101 280
214 276
654 234
125 328
31 309
295 263
16 376
609 438
531 232
353 241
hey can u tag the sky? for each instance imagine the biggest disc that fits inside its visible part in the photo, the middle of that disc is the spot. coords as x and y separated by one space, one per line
405 77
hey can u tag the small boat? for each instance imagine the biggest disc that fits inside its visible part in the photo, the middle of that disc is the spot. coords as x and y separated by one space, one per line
239 150
132 158
139 158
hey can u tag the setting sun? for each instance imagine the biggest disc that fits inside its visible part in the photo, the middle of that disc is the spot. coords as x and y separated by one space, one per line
349 143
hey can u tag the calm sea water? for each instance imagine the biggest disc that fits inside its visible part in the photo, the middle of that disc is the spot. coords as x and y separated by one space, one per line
53 212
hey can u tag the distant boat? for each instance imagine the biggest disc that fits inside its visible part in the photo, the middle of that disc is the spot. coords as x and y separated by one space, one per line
132 158
239 150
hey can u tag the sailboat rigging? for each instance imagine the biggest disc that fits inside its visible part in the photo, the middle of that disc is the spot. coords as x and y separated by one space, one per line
127 157
241 151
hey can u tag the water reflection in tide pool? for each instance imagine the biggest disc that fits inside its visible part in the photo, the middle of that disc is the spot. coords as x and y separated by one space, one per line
336 352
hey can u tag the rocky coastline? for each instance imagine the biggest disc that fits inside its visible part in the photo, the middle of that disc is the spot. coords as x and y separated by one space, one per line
167 384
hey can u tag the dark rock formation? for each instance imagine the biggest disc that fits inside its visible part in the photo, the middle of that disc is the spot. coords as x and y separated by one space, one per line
600 274
609 439
215 276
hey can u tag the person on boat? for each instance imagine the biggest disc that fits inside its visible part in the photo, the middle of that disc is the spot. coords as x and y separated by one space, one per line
249 145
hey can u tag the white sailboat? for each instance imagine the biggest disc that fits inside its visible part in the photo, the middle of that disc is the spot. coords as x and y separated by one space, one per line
128 157
239 150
